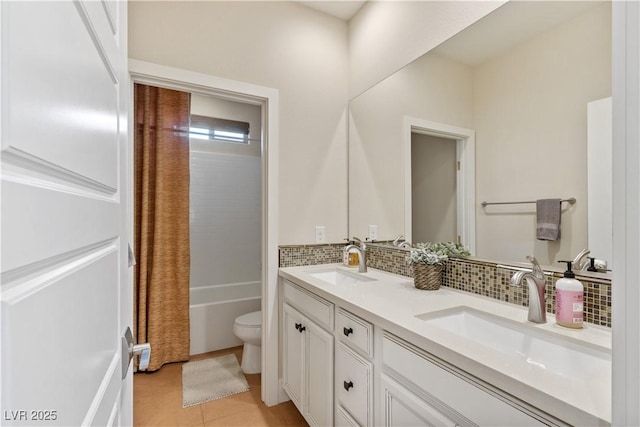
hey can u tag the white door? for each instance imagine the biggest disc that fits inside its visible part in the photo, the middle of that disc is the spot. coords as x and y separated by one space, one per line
66 295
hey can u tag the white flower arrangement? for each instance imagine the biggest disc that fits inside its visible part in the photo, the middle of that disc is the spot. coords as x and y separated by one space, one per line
435 253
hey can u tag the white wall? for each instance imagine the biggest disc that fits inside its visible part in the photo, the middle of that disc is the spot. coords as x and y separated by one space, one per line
384 36
530 114
433 88
283 45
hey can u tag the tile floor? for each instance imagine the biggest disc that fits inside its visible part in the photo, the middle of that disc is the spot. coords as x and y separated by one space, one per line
157 401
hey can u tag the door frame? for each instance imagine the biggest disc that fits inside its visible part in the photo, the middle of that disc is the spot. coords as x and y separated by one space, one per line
466 176
625 294
268 98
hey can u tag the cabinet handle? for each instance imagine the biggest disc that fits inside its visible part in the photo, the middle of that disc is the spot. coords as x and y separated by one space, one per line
347 331
302 329
298 326
348 385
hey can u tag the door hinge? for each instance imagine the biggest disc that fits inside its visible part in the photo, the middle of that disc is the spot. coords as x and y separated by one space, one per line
459 240
458 165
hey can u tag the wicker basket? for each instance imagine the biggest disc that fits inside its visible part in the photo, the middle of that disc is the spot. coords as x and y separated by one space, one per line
427 277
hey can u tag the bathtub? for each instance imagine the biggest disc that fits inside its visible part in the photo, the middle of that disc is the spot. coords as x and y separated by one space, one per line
213 310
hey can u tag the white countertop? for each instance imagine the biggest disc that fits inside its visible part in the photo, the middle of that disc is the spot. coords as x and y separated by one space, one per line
392 302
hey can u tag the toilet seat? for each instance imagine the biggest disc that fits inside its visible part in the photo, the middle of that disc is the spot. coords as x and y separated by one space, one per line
250 320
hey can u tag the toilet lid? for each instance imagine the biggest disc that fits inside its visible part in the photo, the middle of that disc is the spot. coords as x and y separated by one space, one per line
250 319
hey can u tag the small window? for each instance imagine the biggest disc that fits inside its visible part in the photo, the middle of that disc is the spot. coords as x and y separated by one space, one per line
215 129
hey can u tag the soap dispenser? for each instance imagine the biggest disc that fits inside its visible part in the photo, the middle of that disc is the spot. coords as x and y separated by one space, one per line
345 254
353 257
569 300
350 255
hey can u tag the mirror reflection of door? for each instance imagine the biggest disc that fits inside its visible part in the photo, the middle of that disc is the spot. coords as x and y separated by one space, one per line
433 183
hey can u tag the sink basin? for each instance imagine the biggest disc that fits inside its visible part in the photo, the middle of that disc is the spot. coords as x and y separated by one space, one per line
543 349
340 277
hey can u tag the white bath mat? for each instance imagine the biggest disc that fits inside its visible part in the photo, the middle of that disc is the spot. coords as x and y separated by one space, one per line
210 379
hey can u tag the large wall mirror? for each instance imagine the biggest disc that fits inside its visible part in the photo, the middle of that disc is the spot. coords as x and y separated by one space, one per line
511 95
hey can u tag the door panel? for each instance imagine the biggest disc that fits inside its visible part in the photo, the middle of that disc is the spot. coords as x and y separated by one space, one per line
403 408
294 354
65 290
60 130
74 123
75 219
111 9
319 399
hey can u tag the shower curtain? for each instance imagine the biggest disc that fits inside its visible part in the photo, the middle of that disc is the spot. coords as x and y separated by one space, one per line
161 164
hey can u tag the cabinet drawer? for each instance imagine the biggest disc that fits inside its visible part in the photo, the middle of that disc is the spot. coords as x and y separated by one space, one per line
355 331
459 394
354 384
310 305
400 407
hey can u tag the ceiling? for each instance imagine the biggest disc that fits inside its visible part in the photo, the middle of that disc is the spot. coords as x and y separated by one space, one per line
343 9
507 26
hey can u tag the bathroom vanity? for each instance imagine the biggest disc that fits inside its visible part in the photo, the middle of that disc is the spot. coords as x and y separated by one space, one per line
371 349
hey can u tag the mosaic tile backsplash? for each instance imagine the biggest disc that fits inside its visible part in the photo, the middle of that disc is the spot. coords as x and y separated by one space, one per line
482 278
294 256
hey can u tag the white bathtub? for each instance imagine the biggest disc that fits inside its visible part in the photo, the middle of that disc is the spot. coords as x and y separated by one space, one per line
213 310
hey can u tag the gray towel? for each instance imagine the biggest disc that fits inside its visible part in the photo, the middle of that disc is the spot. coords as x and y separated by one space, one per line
548 213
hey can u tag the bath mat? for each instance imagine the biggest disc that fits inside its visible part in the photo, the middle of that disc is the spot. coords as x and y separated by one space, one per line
210 379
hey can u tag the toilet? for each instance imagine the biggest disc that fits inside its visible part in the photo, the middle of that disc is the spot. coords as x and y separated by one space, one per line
248 328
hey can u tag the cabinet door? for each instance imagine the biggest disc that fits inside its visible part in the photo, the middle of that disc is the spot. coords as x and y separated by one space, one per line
319 380
293 362
401 407
343 419
354 388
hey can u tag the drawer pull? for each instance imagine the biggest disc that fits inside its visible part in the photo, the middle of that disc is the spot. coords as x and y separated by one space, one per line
347 331
298 326
348 385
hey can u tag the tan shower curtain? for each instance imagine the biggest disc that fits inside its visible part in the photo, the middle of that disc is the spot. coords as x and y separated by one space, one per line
161 295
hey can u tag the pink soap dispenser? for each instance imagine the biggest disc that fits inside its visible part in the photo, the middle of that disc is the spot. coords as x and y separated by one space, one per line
569 300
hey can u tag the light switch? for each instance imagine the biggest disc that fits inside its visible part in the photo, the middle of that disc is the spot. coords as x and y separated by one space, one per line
373 232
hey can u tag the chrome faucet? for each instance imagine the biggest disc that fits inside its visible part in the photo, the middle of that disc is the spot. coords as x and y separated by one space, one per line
581 262
536 282
362 254
398 240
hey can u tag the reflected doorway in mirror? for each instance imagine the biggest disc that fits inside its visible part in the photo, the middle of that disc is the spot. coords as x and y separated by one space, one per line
464 181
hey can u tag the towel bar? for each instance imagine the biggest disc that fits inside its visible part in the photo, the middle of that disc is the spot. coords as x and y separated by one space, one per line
571 201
